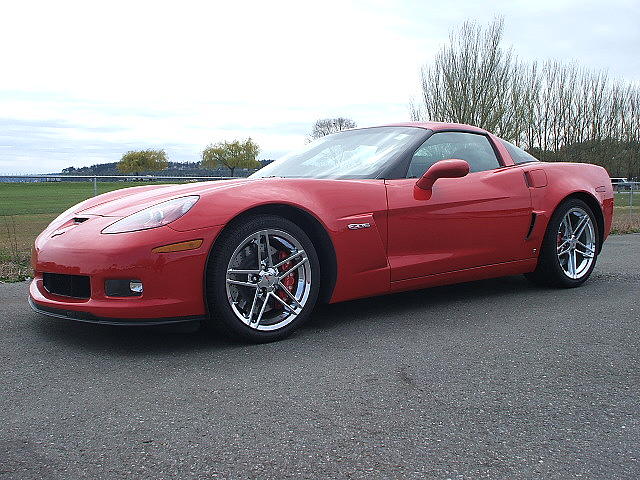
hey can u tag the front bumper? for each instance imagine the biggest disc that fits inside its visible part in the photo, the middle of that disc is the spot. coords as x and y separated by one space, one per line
173 282
90 318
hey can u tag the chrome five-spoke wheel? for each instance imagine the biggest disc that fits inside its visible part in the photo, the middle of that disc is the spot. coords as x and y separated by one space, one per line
570 246
576 243
263 279
268 279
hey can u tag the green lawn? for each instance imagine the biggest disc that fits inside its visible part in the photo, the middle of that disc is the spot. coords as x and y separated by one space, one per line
622 199
27 208
52 197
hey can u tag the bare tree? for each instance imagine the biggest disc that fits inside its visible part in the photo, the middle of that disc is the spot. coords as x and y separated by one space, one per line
327 126
473 80
558 111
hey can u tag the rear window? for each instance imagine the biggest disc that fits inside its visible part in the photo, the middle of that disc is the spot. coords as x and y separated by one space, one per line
517 154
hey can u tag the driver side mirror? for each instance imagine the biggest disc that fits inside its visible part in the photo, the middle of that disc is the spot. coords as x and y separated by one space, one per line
451 168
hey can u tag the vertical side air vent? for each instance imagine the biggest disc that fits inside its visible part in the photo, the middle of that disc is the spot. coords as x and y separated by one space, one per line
534 217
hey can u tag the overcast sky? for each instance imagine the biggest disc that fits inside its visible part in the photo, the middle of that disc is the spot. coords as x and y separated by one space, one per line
83 82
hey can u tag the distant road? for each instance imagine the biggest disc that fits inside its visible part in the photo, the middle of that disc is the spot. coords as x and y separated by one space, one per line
493 379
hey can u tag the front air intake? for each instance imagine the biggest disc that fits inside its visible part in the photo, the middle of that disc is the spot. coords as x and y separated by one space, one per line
76 286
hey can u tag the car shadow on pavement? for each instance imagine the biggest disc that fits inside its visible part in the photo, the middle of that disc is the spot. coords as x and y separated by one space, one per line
428 303
418 301
128 340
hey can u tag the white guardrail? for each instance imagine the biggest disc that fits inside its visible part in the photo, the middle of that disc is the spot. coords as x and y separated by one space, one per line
95 178
632 188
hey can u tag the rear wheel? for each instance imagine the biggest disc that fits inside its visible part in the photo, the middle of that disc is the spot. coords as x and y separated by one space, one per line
570 247
263 279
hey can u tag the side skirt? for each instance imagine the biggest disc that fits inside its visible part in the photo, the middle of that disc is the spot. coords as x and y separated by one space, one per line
467 275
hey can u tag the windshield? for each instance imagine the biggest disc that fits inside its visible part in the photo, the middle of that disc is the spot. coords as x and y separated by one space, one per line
361 153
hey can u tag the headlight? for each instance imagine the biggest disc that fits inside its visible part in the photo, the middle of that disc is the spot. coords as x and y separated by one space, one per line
153 217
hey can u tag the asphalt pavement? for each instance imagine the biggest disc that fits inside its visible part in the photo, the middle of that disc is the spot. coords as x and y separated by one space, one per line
492 379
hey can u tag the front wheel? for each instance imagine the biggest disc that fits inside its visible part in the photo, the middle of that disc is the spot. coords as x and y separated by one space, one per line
263 279
570 247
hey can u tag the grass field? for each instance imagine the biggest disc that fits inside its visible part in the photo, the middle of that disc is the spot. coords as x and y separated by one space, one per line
27 208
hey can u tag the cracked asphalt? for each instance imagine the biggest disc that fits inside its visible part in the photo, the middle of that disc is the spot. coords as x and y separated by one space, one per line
491 379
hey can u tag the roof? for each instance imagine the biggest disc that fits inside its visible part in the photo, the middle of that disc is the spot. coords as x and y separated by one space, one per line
436 126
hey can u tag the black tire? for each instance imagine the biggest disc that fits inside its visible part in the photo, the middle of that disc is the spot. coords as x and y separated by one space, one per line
549 271
222 318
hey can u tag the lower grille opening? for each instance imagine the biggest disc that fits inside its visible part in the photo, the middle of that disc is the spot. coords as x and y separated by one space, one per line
77 286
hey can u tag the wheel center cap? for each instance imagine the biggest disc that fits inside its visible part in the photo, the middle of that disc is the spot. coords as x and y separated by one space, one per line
268 278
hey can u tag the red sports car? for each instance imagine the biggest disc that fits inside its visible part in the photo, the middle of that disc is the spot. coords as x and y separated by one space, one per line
359 213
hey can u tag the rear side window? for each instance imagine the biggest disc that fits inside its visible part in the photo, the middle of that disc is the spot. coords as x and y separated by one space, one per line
473 148
517 154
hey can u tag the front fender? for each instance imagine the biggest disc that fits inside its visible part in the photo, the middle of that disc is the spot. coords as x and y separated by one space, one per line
362 267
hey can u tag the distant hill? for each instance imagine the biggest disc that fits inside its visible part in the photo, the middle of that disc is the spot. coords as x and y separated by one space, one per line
175 169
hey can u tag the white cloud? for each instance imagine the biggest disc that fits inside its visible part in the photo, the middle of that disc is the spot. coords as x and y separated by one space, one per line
95 79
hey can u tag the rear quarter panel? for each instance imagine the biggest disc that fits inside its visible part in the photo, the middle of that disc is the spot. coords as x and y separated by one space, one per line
552 183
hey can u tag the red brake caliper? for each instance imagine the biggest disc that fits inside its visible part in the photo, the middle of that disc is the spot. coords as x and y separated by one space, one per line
289 281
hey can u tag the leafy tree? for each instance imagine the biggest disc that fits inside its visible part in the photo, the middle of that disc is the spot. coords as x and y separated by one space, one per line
327 126
137 161
232 155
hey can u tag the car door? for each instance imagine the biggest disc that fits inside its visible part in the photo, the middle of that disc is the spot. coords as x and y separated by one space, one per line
480 219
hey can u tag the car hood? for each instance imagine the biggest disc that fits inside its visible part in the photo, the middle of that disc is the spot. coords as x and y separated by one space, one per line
132 200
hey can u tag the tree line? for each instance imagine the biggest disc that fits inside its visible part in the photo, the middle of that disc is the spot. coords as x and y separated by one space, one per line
174 169
231 155
228 154
556 111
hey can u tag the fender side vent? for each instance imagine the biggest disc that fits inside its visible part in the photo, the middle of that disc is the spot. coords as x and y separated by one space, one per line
534 217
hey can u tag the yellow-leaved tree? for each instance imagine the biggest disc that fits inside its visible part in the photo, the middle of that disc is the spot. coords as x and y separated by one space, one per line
232 155
137 161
